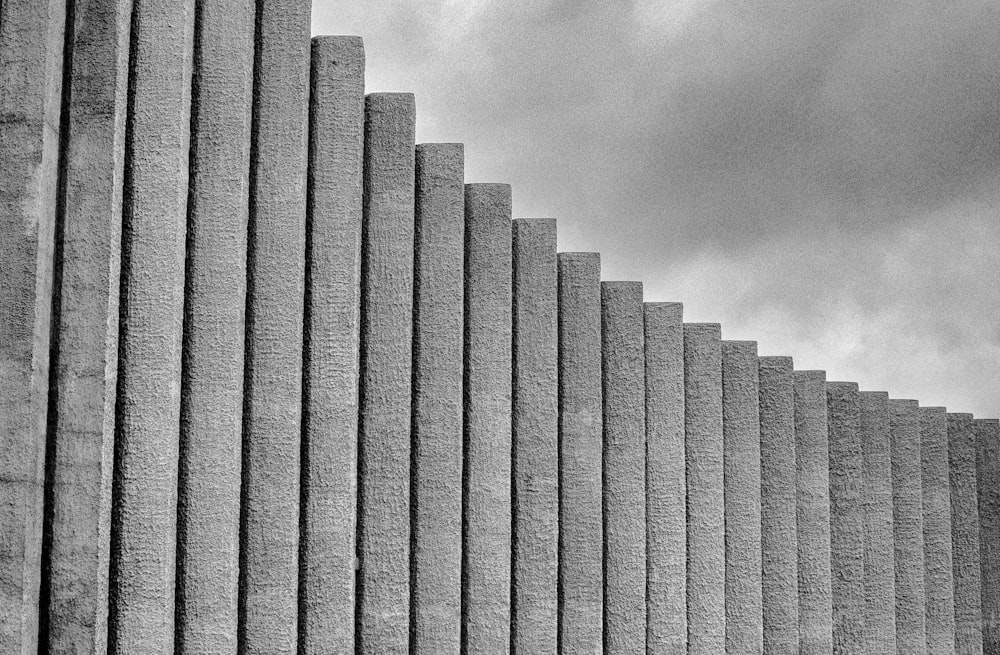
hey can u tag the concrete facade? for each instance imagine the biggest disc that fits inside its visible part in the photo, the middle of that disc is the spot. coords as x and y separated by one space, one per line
965 535
988 484
936 495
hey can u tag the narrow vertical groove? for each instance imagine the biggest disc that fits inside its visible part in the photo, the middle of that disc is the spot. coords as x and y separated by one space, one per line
938 575
965 535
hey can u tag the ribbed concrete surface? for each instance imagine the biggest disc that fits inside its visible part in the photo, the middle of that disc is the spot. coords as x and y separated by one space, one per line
741 442
623 373
437 398
535 555
813 514
386 348
908 527
988 484
965 535
581 537
86 368
330 364
779 540
155 226
666 496
706 538
938 576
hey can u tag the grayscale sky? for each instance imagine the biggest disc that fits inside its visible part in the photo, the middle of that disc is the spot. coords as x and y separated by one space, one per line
821 176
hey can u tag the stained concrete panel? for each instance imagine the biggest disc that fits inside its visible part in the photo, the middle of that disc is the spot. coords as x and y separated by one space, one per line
386 363
437 398
330 357
812 456
487 481
907 527
706 539
988 485
936 497
581 558
666 495
624 384
965 535
779 537
534 604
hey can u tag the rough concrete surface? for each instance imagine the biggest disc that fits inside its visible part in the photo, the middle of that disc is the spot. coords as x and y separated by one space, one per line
988 484
666 488
706 539
812 458
330 354
907 527
624 385
581 557
437 398
779 538
386 366
965 535
936 497
535 508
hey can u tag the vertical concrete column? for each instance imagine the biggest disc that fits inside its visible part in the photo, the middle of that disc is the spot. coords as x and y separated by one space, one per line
706 538
581 531
208 508
779 538
666 488
876 505
907 527
386 367
438 326
85 368
988 484
534 604
152 303
965 535
936 496
331 342
741 444
31 58
487 524
812 457
624 386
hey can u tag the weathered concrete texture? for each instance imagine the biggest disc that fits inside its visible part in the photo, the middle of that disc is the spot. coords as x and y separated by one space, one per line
907 527
779 538
624 385
86 369
706 539
581 537
437 399
936 497
965 535
208 505
330 358
535 555
152 305
988 484
31 57
666 488
386 365
812 456
486 511
876 506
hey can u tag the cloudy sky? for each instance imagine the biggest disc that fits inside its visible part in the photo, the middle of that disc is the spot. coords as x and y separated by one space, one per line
821 176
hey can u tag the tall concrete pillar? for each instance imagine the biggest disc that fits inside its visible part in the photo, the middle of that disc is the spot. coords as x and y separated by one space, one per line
624 385
437 398
581 536
275 278
330 355
666 488
741 443
152 303
965 535
386 367
988 484
487 513
936 496
85 368
706 537
535 554
907 527
812 456
779 537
